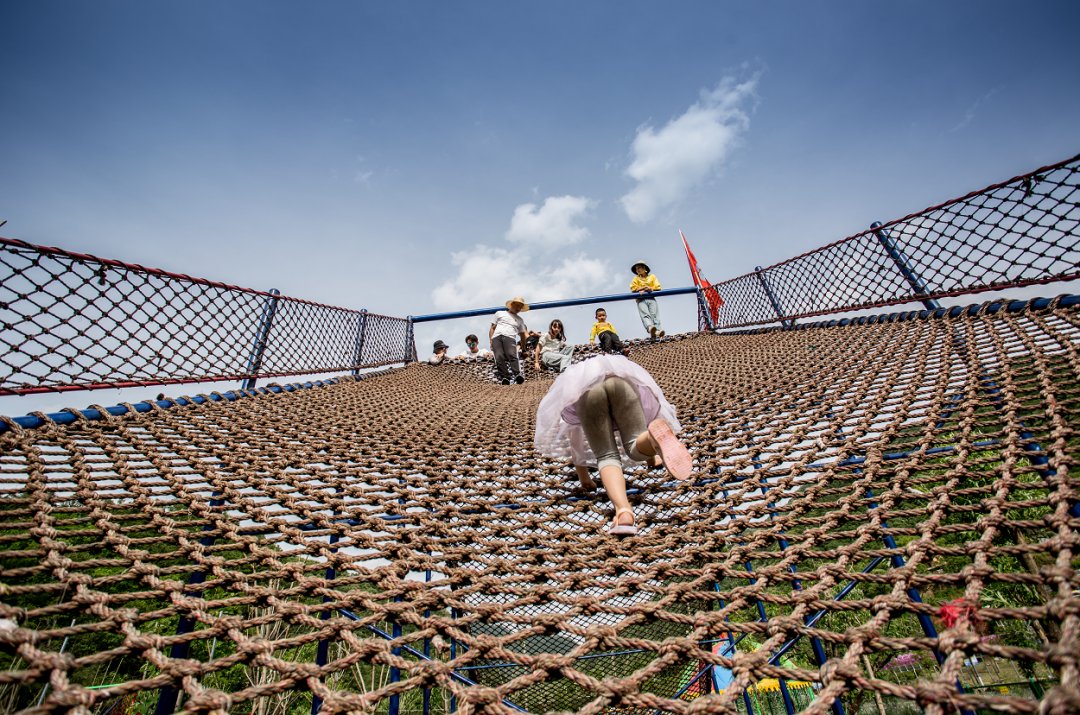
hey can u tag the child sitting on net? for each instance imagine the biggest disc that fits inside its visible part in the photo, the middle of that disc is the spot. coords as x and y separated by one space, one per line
605 333
585 407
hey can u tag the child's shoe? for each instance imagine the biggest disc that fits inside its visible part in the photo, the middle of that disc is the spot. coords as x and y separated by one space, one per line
618 528
519 379
676 458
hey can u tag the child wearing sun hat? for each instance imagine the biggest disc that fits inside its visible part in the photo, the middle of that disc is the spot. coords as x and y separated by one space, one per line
644 283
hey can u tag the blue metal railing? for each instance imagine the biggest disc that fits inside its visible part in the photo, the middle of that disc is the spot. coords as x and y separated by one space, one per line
453 315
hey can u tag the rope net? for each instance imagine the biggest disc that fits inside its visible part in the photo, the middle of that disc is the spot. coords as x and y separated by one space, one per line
876 508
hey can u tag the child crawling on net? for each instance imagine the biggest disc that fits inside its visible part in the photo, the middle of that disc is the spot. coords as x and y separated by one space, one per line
589 404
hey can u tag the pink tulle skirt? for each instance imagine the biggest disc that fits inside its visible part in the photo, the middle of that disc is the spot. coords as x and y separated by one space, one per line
558 429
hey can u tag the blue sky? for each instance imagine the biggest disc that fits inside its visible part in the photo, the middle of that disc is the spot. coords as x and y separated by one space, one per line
414 157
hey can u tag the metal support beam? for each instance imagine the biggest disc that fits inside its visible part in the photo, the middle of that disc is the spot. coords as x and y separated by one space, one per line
262 333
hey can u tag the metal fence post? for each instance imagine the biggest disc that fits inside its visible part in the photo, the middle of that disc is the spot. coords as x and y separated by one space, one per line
266 321
358 352
772 298
410 342
704 314
901 261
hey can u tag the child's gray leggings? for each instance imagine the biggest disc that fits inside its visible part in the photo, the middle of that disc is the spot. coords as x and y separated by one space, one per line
611 404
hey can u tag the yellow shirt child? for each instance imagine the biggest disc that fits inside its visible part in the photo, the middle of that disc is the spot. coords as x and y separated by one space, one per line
605 331
644 284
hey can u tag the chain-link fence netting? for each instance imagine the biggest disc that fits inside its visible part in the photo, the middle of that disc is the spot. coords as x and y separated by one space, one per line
69 320
1017 233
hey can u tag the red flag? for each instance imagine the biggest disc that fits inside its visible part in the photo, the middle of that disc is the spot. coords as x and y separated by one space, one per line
712 296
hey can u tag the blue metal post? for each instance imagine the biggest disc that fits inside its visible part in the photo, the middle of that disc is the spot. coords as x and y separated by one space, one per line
322 653
395 672
815 642
913 593
787 323
732 648
166 703
914 279
358 352
266 321
1036 453
453 657
427 650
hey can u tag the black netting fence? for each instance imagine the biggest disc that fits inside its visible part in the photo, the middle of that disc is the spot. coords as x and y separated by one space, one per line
1016 233
77 321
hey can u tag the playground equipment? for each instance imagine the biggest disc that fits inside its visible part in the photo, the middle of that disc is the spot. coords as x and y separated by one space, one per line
388 541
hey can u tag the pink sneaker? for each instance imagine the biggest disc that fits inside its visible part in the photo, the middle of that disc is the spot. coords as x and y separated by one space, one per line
676 458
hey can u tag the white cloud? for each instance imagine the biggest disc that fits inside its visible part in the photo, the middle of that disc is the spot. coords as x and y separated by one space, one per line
669 162
552 224
489 275
535 265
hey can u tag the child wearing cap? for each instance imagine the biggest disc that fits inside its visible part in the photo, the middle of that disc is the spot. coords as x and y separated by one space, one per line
644 283
438 355
507 329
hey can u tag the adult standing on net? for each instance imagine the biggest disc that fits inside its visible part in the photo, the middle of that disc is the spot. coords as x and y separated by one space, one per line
584 409
506 334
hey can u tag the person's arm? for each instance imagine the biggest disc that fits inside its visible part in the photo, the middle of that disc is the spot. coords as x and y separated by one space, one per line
537 355
592 335
654 282
491 334
585 478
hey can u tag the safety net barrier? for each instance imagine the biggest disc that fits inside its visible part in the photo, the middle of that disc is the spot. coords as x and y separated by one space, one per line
883 516
1016 233
75 321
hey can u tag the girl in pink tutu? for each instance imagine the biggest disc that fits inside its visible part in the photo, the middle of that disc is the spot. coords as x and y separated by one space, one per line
579 416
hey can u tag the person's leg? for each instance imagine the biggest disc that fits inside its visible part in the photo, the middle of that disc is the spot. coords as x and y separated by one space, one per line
653 309
512 359
646 316
615 486
595 415
607 341
628 415
566 357
659 439
594 411
500 348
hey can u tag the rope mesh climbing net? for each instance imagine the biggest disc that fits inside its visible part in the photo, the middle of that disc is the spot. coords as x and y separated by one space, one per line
896 492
